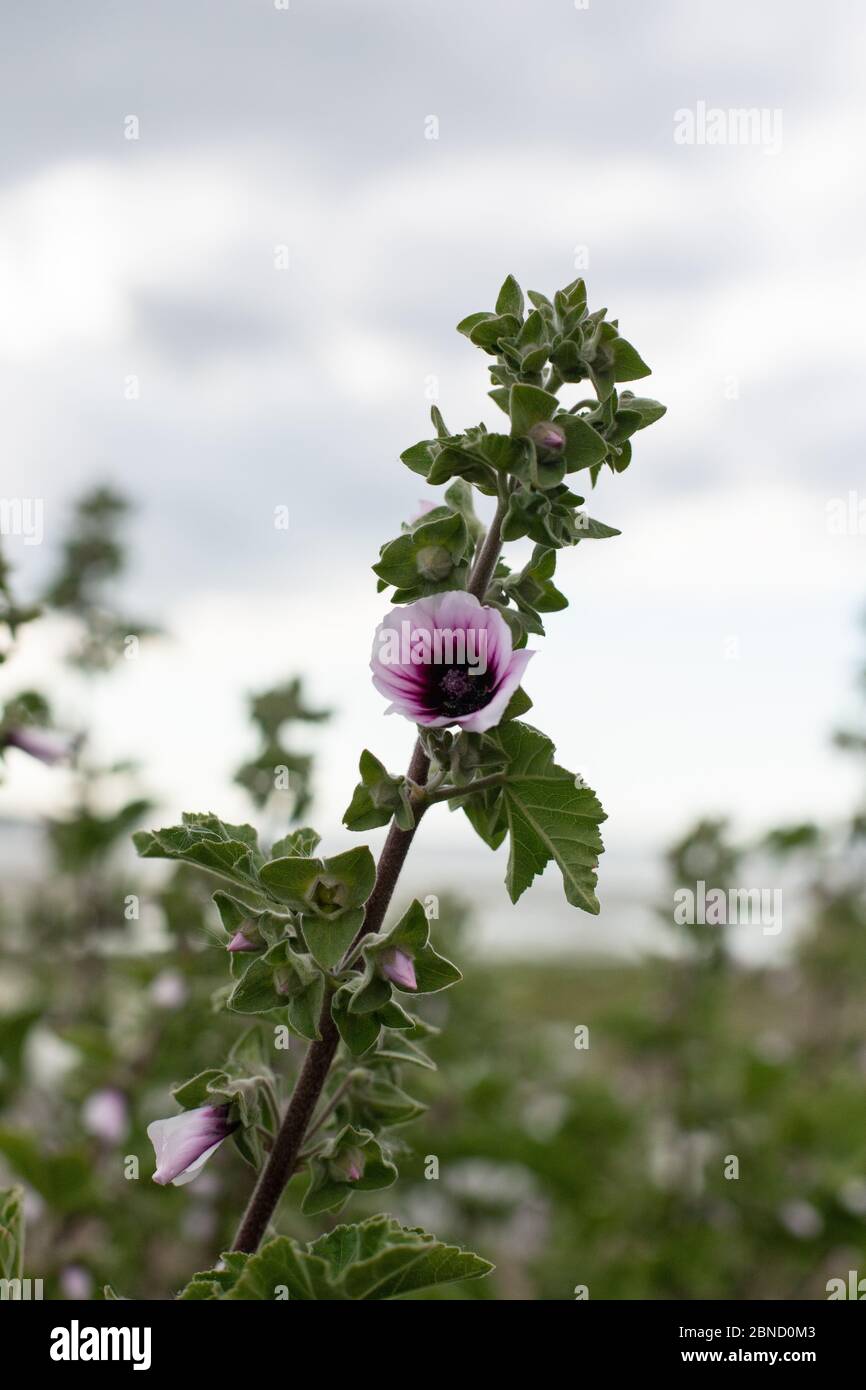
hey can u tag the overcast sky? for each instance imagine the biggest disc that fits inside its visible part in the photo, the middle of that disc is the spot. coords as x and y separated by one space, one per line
707 650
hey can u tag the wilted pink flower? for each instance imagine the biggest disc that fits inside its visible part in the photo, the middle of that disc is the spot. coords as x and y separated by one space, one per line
399 967
424 506
239 942
447 660
49 746
104 1114
185 1142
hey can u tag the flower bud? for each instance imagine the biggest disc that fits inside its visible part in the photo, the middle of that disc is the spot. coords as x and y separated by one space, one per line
434 562
398 967
329 896
350 1165
548 436
240 942
183 1143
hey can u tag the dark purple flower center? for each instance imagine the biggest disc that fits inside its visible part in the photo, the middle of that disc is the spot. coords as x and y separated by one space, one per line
454 690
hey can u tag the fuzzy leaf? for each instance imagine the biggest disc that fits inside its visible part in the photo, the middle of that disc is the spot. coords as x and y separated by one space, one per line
547 816
375 1259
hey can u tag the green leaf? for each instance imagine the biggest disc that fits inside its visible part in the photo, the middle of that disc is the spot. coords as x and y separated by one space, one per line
381 1259
628 365
11 1233
648 410
378 797
419 457
490 333
239 1083
375 1259
510 298
322 887
291 879
199 1290
465 326
195 1092
585 528
272 979
433 556
519 704
395 1047
215 1283
548 817
584 446
330 1186
228 850
376 1102
328 939
302 842
528 406
360 1030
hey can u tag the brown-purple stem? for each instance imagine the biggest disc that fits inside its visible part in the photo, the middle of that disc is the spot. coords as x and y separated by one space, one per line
283 1158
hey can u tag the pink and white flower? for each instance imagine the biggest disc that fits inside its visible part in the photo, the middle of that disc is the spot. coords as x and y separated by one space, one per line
183 1143
447 660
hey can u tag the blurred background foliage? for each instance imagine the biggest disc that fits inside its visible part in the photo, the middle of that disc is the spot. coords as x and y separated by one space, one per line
584 1117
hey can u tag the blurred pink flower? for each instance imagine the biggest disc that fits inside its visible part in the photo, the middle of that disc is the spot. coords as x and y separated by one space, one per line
168 990
47 745
104 1114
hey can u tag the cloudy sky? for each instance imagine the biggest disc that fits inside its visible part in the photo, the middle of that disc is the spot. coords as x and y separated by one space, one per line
708 649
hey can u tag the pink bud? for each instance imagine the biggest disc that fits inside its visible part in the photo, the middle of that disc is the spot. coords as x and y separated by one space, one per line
350 1165
239 942
184 1142
548 436
398 966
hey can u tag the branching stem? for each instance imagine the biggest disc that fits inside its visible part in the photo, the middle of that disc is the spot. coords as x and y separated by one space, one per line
283 1158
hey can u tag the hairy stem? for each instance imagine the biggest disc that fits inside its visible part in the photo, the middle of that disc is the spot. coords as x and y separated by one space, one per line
481 784
283 1158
